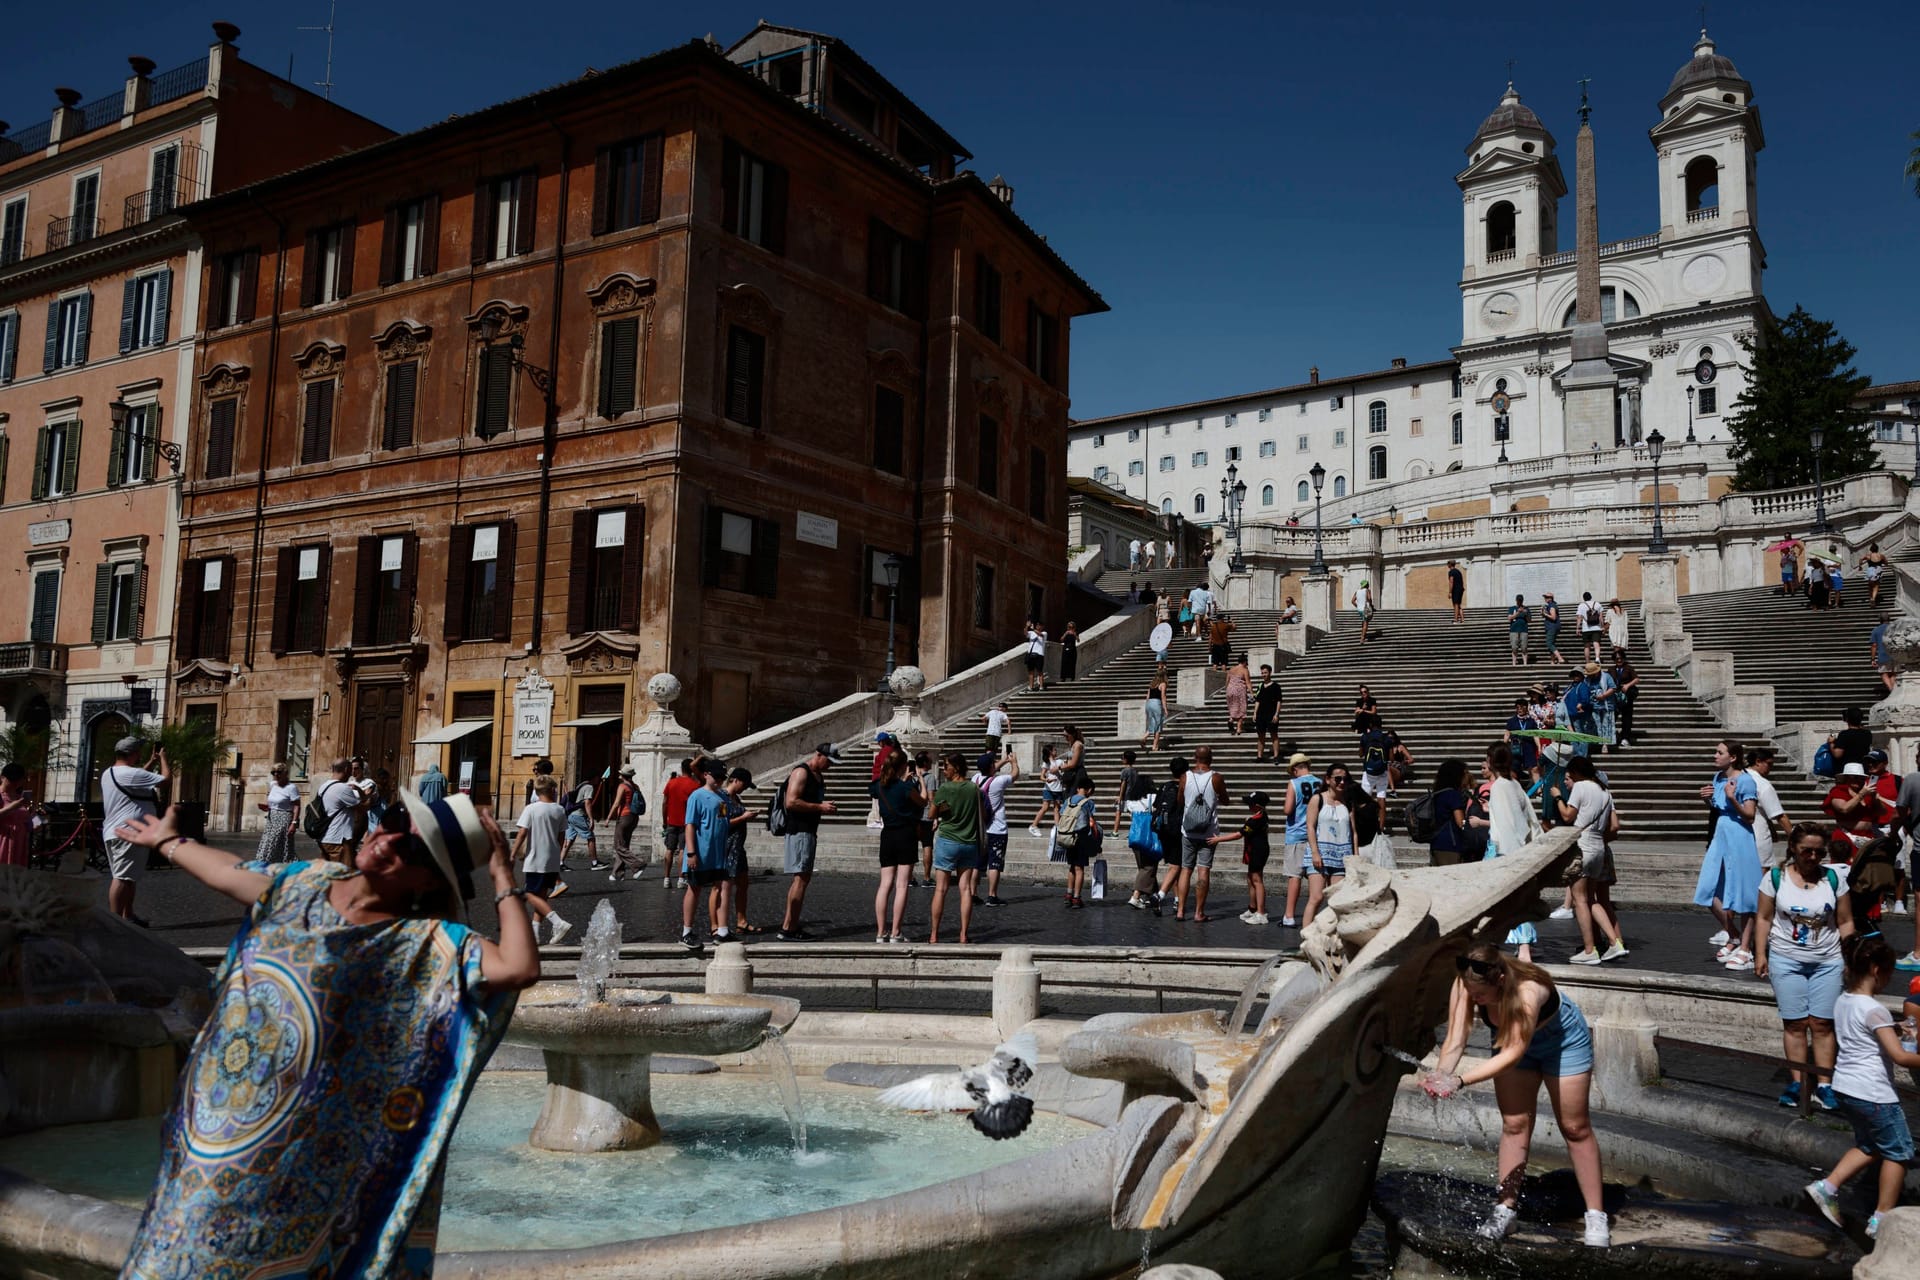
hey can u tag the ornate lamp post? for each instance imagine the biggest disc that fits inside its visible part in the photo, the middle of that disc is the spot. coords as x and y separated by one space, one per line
1655 443
1817 437
1690 439
1233 497
891 566
141 439
1319 477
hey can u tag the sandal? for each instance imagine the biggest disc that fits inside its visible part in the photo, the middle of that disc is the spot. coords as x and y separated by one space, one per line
744 927
1202 919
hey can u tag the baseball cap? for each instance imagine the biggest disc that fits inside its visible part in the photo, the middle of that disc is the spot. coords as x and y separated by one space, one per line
828 750
713 767
1255 799
127 744
986 762
741 775
883 736
1876 756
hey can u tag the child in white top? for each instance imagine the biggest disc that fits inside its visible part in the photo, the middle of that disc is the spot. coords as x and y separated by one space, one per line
1868 1041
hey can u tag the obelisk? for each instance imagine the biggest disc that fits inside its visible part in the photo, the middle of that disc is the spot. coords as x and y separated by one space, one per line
1591 384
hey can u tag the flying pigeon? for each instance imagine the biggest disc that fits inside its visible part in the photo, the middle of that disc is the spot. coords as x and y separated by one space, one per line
989 1094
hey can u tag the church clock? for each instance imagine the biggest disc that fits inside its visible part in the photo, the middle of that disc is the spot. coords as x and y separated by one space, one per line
1500 311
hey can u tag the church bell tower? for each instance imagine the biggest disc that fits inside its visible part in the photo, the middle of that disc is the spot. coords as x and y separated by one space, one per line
1510 194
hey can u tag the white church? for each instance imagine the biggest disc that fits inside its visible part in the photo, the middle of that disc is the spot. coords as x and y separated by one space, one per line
1674 302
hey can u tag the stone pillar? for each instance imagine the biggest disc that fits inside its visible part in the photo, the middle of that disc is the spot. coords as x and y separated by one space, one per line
658 746
1016 991
908 725
1897 716
1130 719
730 974
1238 592
1316 600
1660 597
1197 684
1625 1059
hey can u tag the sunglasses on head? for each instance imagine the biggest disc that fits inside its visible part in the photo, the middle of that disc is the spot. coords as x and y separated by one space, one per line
1478 968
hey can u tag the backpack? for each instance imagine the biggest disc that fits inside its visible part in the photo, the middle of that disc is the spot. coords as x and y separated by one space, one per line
1072 824
1374 759
1166 805
1833 881
1199 817
1421 823
777 806
1823 763
637 802
316 819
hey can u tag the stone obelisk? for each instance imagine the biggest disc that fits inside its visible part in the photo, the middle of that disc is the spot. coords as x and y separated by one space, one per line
1591 384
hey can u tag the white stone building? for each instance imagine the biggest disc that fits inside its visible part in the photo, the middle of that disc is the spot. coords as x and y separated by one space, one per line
1675 300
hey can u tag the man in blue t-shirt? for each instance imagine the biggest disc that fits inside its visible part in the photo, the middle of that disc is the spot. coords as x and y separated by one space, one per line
1301 786
708 825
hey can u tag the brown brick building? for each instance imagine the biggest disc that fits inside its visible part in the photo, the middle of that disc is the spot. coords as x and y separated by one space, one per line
650 371
99 279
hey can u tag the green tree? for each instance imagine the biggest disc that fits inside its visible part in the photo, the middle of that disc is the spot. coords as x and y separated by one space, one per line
1800 376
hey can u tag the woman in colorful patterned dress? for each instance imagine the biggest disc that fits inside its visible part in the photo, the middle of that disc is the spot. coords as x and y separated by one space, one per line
351 1017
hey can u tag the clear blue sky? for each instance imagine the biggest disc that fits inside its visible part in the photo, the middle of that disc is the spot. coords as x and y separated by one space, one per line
1253 187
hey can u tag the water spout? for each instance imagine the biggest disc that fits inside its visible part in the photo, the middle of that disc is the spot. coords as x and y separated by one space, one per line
599 953
1248 994
772 1054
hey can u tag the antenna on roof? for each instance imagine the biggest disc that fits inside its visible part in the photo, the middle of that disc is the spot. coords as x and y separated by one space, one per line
326 85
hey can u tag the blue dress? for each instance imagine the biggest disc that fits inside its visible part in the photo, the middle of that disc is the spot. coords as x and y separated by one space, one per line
1156 714
311 1129
1605 711
1730 871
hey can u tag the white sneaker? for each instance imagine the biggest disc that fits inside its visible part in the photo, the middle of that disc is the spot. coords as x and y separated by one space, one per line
1034 832
1719 939
1246 917
1499 1223
1259 917
1740 962
561 928
1289 922
1584 957
1899 906
1560 913
1617 950
680 883
1597 1234
880 940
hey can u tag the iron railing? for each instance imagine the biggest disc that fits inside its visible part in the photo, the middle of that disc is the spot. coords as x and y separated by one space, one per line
102 112
63 233
162 198
26 656
178 83
32 137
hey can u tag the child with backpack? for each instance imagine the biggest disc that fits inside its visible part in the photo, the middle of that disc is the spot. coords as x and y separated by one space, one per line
1869 1044
1073 838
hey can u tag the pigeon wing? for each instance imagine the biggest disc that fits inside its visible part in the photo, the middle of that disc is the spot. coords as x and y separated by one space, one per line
942 1091
1016 1059
1003 1120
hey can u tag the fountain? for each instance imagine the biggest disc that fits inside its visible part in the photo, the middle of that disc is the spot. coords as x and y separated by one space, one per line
599 1041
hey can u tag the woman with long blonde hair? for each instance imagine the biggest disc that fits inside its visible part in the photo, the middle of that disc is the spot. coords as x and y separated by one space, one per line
1539 1036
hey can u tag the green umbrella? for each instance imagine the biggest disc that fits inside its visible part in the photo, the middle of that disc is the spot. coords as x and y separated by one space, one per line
1568 735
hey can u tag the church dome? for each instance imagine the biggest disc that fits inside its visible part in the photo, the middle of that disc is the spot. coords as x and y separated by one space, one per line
1510 115
1706 66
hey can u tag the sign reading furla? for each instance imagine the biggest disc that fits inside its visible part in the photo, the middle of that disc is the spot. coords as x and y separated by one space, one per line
532 715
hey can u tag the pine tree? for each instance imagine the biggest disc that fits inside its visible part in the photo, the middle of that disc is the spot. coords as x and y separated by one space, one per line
1800 376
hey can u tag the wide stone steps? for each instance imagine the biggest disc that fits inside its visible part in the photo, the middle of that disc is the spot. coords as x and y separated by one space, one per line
1817 662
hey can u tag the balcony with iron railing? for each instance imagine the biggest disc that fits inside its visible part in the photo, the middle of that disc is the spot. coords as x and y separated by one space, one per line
64 233
169 193
178 83
32 657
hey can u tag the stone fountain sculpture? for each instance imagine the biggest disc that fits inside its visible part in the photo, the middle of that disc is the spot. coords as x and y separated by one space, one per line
599 1041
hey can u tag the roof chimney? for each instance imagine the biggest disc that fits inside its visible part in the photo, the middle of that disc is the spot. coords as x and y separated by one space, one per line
1002 189
1399 362
1313 375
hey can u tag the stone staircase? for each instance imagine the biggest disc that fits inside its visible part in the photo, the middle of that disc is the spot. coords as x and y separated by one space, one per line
1818 663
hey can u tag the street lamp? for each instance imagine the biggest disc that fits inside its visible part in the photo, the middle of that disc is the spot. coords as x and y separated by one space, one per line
118 412
891 566
1690 439
1233 497
1655 443
1319 477
1817 437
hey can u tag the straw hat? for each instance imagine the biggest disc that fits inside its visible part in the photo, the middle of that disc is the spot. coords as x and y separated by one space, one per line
454 834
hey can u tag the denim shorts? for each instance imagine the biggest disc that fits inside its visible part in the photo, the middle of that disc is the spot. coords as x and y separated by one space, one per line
1805 988
1879 1128
800 850
1562 1047
952 856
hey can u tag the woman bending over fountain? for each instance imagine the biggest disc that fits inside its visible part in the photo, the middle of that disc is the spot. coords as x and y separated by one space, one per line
352 1015
1538 1035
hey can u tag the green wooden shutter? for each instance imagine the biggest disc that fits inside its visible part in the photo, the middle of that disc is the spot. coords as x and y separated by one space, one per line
482 246
6 443
129 314
102 598
503 586
192 593
9 346
459 560
316 440
429 259
366 588
773 212
496 392
525 206
40 463
150 446
602 190
763 571
52 359
139 601
70 470
619 363
580 574
632 562
390 245
117 439
162 303
85 327
250 285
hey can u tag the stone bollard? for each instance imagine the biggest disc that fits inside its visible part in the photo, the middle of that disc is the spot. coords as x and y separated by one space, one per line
1130 719
1625 1058
1197 684
1896 1251
730 973
1016 991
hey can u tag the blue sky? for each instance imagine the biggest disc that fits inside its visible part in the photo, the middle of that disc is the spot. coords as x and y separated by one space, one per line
1254 188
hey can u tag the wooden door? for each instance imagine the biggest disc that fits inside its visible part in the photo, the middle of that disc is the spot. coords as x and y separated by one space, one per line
379 711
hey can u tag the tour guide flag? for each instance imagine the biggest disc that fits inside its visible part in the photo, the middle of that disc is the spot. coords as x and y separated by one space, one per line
1568 735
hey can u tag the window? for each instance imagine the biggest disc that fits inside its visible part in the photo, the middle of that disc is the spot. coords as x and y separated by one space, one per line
69 328
143 310
1037 602
1100 442
1340 438
493 398
85 224
1266 495
383 582
982 597
1233 420
1457 388
1166 462
1199 458
1459 433
1415 427
1301 492
896 269
13 232
988 479
856 104
1133 435
316 421
410 241
222 417
1199 504
300 592
1043 342
1166 506
889 431
603 583
163 182
1501 231
236 280
9 344
1266 414
1101 474
1339 486
503 216
1377 462
119 600
1886 430
206 608
746 376
326 275
293 736
1136 468
1301 444
1615 304
56 464
1702 178
619 366
1269 448
480 583
626 184
986 298
45 622
1303 408
1233 453
1337 402
1037 483
134 450
1708 401
1376 417
403 390
754 196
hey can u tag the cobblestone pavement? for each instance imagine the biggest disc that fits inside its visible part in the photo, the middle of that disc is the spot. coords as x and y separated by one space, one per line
840 909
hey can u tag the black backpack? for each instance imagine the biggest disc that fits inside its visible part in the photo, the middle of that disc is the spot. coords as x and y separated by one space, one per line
1421 823
777 805
316 820
1167 804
